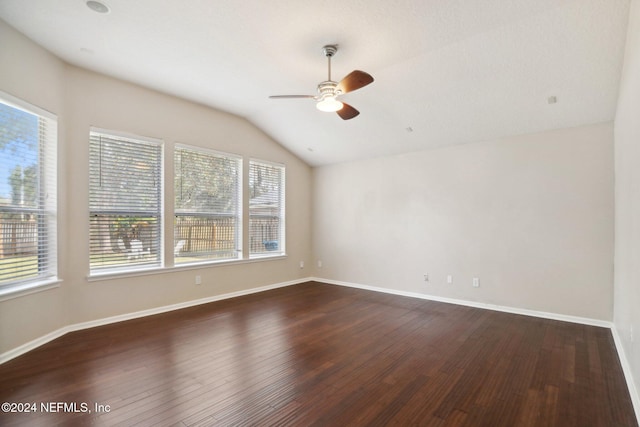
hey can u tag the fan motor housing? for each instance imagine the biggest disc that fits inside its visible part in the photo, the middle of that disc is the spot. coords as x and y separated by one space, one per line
328 88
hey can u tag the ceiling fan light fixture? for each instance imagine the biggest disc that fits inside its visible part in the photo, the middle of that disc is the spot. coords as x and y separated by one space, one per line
329 105
329 90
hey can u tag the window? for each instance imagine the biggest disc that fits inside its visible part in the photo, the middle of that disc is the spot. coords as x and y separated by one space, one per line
28 199
207 205
125 202
266 208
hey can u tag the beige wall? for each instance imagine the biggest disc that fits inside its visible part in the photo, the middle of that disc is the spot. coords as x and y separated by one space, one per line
82 99
627 193
34 75
531 216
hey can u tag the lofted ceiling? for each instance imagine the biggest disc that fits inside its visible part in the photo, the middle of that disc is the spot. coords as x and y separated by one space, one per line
446 71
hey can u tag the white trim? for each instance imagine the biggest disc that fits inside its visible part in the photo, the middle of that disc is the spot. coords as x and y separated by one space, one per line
494 307
47 201
132 137
31 345
21 290
183 146
267 162
626 368
110 275
26 106
282 214
181 305
628 373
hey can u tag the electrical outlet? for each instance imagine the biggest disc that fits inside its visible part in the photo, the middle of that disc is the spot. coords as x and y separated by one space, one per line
198 280
476 282
449 279
426 277
301 264
319 263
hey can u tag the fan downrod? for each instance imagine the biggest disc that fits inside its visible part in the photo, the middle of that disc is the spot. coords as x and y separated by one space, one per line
329 50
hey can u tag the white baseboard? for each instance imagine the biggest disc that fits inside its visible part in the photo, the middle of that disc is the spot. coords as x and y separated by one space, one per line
626 368
24 348
628 375
506 309
18 351
31 345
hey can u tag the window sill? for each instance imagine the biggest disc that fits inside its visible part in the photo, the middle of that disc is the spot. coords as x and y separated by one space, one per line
28 288
192 266
265 256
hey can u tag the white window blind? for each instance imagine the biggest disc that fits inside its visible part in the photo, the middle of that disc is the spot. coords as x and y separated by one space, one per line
207 205
266 208
125 202
28 199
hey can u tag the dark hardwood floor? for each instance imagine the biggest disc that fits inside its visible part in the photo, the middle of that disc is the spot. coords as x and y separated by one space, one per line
322 355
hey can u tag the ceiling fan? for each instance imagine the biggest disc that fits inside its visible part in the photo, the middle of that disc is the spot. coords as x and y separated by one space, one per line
329 91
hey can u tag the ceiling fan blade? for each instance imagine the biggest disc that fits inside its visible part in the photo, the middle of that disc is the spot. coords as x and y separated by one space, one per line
347 112
354 81
290 96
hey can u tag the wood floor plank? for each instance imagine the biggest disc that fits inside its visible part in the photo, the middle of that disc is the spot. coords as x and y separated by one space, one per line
317 354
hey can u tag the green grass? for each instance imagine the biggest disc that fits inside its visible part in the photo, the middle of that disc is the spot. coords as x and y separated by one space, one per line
23 267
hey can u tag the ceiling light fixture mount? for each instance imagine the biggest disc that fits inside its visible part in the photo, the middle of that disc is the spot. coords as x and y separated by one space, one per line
98 6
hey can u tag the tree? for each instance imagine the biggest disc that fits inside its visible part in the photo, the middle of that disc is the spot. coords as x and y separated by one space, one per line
15 182
23 185
263 179
18 129
19 155
205 183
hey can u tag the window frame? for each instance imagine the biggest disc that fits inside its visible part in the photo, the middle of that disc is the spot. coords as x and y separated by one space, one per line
238 211
132 268
281 214
47 201
168 213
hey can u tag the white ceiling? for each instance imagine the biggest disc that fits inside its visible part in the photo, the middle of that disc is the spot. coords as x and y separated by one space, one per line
455 71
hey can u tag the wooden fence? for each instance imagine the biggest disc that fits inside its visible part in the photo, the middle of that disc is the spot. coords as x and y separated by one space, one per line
18 237
264 233
209 235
